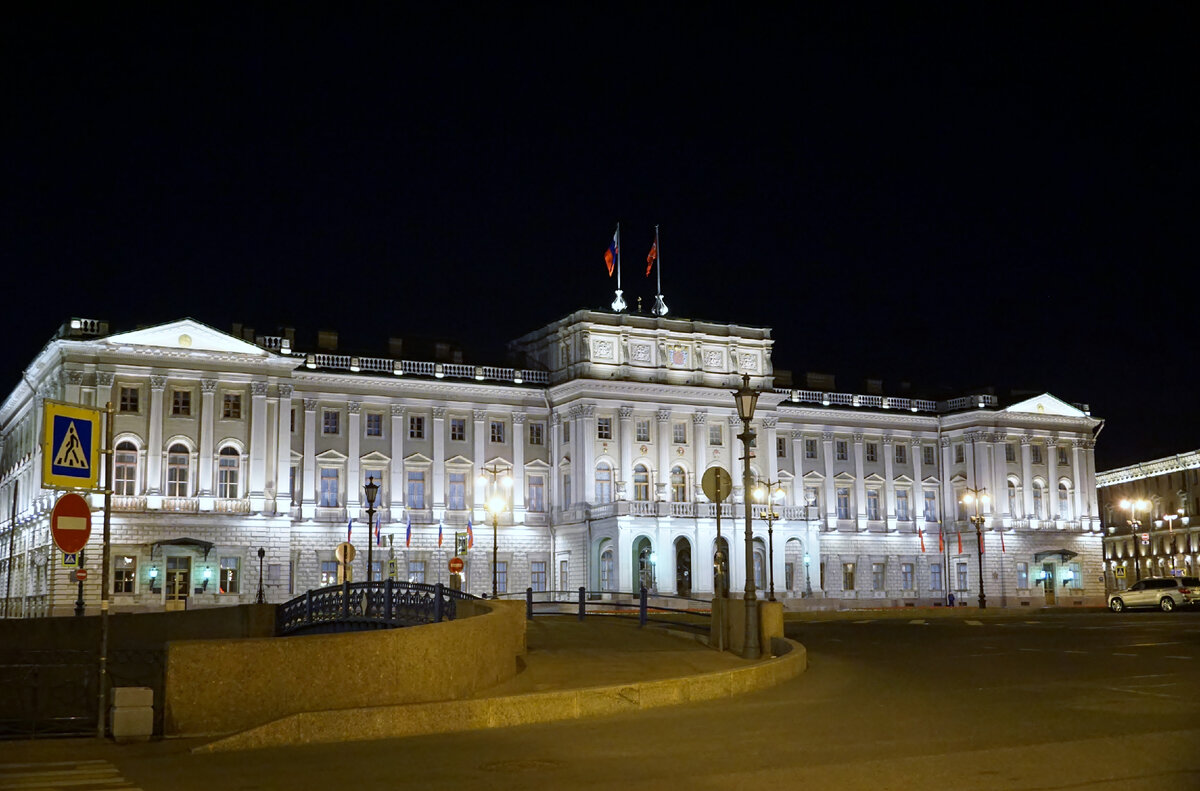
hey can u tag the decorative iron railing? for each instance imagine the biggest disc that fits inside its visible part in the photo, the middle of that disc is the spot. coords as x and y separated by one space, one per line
354 606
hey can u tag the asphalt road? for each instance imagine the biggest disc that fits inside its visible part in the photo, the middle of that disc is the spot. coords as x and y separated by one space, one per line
1031 701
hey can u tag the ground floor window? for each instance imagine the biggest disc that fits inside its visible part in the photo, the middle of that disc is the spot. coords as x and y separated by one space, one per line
537 575
329 572
416 571
878 575
962 577
124 574
847 576
501 576
935 576
231 575
906 576
1022 575
606 570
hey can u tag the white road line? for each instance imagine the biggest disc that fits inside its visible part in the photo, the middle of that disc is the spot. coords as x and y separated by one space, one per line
1075 652
1033 622
1176 657
869 620
1118 654
80 775
51 763
1143 645
1030 650
973 623
918 622
1140 692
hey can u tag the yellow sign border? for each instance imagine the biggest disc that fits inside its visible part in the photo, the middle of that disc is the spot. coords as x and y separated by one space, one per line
50 409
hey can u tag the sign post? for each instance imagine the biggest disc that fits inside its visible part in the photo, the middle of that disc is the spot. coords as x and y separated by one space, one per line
717 484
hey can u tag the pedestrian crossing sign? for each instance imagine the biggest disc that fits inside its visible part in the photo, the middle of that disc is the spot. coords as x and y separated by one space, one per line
70 446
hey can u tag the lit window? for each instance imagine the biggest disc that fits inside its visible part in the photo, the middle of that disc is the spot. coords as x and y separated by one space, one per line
231 575
536 501
902 513
329 572
906 576
931 509
416 571
124 573
847 576
873 504
232 406
843 503
329 487
416 489
1022 575
458 492
641 483
228 464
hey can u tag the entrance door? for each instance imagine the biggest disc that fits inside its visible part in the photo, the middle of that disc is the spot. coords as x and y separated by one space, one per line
683 567
179 577
1048 582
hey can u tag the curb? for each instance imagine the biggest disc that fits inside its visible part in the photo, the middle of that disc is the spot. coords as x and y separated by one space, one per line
419 719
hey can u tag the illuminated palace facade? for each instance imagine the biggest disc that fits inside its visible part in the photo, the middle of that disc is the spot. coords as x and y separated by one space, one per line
225 445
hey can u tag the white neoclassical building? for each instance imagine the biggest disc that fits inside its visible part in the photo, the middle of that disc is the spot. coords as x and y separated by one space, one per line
225 445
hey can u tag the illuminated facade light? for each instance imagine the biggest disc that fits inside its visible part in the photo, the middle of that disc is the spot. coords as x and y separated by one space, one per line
354 365
439 371
479 373
310 361
398 368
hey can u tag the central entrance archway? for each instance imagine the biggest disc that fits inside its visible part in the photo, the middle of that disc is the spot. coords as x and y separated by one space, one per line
644 560
683 566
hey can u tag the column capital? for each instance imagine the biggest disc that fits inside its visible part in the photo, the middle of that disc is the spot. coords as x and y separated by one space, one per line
518 418
945 443
663 415
1089 444
1000 436
258 389
285 391
104 379
208 385
1026 439
858 438
888 439
735 421
625 412
555 418
914 441
588 410
397 410
797 434
480 415
158 382
699 418
74 377
770 422
310 405
354 407
439 412
827 436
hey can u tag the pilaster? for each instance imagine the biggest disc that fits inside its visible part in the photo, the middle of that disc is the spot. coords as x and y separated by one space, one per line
662 474
258 446
208 391
308 505
439 461
518 472
889 483
154 441
354 478
283 450
625 420
397 489
1027 474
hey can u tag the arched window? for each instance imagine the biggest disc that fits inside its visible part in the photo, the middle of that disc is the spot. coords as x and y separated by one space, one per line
641 483
177 471
1064 501
229 462
604 490
607 578
678 485
1012 498
1037 500
125 469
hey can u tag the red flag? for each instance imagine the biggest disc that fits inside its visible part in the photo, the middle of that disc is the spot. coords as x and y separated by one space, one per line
960 542
652 257
921 533
439 534
610 255
1002 541
941 541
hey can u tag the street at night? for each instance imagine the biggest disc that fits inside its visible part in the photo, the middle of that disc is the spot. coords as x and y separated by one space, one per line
1014 701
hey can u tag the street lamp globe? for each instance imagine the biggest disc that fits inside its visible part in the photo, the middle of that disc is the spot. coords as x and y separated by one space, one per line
746 398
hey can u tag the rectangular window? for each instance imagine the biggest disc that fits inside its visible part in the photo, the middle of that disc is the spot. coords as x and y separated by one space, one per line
536 501
566 490
901 453
124 573
958 454
181 403
878 576
293 421
178 466
841 454
873 504
1022 575
902 513
129 399
847 576
458 429
416 489
497 432
1036 453
679 433
331 421
906 576
125 469
935 576
537 575
715 436
329 487
1076 578
232 406
329 572
416 427
537 433
231 575
931 509
566 431
374 424
843 503
643 431
927 454
1062 457
458 492
604 428
962 506
871 451
376 570
501 576
812 499
607 575
564 577
962 577
780 448
416 571
1010 452
810 449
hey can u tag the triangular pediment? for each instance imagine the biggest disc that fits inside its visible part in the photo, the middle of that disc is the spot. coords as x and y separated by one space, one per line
186 335
417 458
537 464
1046 404
874 478
903 479
929 479
332 456
458 461
843 476
375 457
813 475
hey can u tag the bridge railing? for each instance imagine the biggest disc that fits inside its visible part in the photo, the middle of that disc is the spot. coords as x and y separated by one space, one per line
660 608
367 605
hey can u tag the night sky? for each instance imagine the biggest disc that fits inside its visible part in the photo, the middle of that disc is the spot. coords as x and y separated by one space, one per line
958 196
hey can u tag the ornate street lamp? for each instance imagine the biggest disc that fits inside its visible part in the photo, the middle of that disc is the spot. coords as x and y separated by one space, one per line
978 496
746 399
371 489
770 493
1133 506
496 505
260 599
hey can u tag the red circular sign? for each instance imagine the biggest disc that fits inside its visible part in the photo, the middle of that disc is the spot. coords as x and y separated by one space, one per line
71 523
456 565
81 575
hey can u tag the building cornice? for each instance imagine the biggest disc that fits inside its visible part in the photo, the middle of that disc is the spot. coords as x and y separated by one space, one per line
1149 469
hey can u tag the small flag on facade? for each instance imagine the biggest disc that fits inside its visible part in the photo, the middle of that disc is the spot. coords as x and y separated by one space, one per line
470 534
378 528
960 542
921 533
439 533
349 529
1002 549
652 256
941 541
610 255
408 533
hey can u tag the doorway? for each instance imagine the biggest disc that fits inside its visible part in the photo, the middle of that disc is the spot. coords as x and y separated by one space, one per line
683 567
179 578
1048 578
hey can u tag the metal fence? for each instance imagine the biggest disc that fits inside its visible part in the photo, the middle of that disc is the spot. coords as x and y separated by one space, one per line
673 610
357 606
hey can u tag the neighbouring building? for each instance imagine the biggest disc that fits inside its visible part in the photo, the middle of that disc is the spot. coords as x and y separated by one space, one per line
1148 511
224 445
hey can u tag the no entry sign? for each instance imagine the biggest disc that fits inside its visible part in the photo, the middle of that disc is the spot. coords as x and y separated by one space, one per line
71 523
456 565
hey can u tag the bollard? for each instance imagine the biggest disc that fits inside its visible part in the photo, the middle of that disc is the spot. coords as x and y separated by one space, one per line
346 600
582 602
529 604
642 607
388 608
439 591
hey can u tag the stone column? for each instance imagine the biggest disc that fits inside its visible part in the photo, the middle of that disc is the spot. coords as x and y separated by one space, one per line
258 446
889 483
555 456
208 390
482 482
972 462
283 451
699 464
72 382
949 506
918 495
999 444
1077 464
587 465
1089 480
439 460
860 485
397 489
518 474
154 442
662 476
769 424
354 477
798 466
308 503
830 497
1027 474
624 483
1052 479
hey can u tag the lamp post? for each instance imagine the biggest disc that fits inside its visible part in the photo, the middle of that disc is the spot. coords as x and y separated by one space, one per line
1170 519
807 581
495 506
770 492
260 599
977 496
746 398
371 489
1133 506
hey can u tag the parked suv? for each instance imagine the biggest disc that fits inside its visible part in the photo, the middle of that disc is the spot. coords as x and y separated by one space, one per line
1165 593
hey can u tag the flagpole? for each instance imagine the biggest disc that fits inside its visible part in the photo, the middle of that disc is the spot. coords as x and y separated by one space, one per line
660 307
618 303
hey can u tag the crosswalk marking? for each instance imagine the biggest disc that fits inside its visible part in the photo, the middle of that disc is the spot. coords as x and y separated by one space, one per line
89 775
